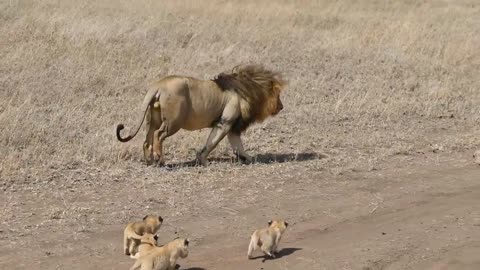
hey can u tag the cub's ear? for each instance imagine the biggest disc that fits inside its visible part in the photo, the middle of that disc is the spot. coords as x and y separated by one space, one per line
286 224
160 219
270 222
155 237
186 242
145 217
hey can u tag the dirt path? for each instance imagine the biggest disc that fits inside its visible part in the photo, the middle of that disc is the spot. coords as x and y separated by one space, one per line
435 228
413 217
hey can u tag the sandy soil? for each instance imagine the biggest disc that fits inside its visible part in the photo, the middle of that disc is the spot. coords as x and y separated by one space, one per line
421 213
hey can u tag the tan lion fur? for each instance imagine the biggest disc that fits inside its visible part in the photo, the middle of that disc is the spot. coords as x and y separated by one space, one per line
268 238
135 230
228 104
162 258
148 242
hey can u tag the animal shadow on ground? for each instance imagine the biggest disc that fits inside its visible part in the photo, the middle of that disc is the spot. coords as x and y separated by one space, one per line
282 158
259 159
178 267
280 254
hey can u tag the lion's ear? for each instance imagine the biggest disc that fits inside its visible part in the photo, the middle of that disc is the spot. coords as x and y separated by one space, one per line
270 222
145 217
186 242
160 219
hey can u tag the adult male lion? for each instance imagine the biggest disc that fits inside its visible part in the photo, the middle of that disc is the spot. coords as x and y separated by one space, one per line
228 104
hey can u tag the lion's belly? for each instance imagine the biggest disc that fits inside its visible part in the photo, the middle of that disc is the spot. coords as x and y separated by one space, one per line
206 108
196 122
200 118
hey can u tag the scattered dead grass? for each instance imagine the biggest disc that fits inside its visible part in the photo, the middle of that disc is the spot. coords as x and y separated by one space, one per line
368 79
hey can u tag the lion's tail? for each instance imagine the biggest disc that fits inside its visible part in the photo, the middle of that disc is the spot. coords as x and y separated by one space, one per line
253 245
146 102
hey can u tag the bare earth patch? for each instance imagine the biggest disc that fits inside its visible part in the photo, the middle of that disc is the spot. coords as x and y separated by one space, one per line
420 214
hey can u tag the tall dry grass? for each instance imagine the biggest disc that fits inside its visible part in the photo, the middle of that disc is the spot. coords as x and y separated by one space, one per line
363 75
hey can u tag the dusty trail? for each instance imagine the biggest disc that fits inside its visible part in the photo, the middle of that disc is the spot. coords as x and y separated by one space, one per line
421 218
430 230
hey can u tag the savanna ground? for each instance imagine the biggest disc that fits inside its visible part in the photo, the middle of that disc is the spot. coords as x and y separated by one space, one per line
370 161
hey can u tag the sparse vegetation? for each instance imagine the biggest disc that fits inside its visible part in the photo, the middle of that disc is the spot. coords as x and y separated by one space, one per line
373 74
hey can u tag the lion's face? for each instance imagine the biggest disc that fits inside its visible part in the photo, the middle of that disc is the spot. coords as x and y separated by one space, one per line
279 106
274 103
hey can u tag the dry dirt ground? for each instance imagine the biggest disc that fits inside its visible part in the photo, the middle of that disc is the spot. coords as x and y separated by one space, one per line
370 161
419 212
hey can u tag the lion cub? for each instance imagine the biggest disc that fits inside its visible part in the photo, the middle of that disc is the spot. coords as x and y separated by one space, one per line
147 242
134 231
267 239
162 258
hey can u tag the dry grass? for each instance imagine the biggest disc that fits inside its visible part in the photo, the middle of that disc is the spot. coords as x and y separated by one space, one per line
367 79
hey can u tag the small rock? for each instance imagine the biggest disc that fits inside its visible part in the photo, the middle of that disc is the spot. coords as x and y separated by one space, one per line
476 156
436 148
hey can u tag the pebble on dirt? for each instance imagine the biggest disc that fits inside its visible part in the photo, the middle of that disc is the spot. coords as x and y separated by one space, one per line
476 156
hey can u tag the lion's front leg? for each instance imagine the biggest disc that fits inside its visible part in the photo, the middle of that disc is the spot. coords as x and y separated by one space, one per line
216 135
222 128
237 147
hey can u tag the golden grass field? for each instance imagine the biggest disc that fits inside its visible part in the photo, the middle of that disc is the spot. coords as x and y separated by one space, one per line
373 86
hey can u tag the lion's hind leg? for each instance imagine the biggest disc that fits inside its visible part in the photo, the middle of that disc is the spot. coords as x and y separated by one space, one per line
174 111
148 152
153 123
158 137
167 129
